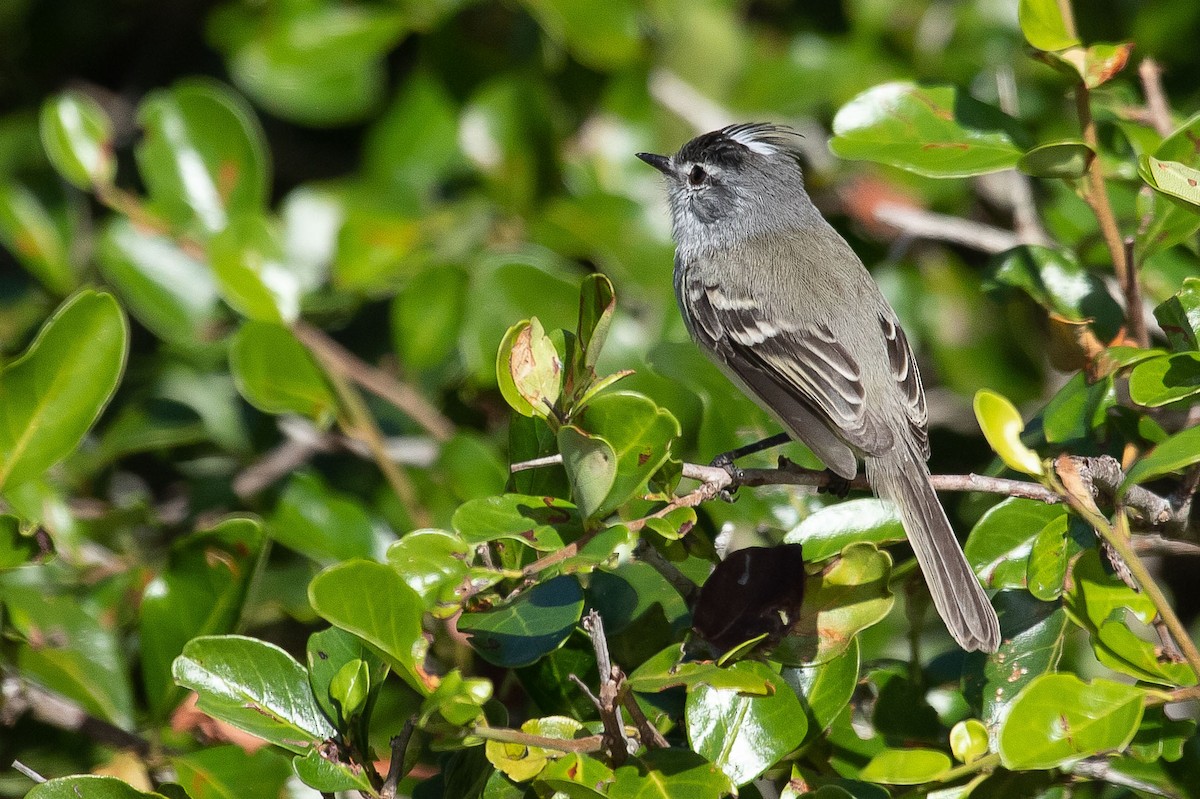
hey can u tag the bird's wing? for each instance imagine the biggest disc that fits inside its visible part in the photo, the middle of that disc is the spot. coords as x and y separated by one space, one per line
805 362
904 370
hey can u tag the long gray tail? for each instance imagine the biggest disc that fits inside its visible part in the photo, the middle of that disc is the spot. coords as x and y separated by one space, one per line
902 477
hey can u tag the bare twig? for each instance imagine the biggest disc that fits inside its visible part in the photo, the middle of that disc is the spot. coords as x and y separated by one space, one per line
338 359
396 765
922 224
646 553
1155 544
535 463
21 696
1158 111
1134 309
1099 768
592 743
617 744
28 772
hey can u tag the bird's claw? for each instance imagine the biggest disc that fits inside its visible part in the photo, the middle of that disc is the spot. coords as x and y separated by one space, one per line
835 484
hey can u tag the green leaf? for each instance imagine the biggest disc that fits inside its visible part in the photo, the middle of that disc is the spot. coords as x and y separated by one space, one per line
847 596
1095 65
640 434
88 786
597 303
329 777
1047 569
1176 453
1063 159
1043 25
77 137
1002 426
1171 178
253 276
544 523
999 545
459 701
372 601
528 369
576 775
228 772
256 687
1161 381
165 288
537 622
426 316
602 34
742 734
316 521
413 147
203 157
969 740
669 774
29 232
828 531
276 374
912 766
1179 316
350 686
591 467
1054 279
200 592
432 562
522 763
16 548
53 392
826 689
665 670
327 653
68 643
935 131
1058 718
317 64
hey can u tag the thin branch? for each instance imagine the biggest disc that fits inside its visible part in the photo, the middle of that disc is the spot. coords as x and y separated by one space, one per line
1100 769
1078 495
1155 544
48 707
1158 111
396 765
1134 309
28 772
592 743
535 463
922 224
617 743
338 359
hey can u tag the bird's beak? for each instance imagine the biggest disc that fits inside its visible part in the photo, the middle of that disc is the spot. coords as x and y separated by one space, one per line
660 162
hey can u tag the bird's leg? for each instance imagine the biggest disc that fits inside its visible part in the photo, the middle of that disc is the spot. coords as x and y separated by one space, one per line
836 484
725 460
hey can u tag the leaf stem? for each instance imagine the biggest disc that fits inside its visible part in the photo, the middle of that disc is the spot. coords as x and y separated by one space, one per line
592 743
985 763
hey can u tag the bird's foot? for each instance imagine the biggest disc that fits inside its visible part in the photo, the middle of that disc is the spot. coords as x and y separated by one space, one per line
835 484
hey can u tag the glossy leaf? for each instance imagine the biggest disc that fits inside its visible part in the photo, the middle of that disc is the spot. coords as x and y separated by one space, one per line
640 435
200 592
936 131
591 467
668 774
203 156
544 523
312 519
528 369
328 652
1161 381
1176 453
597 302
372 601
77 136
89 786
1179 316
1171 178
52 393
1054 279
328 776
744 735
846 596
537 622
165 288
29 232
1047 568
969 740
912 766
276 374
1064 159
1058 718
825 690
459 701
252 274
577 776
665 670
1043 25
999 545
1002 426
254 686
431 562
826 532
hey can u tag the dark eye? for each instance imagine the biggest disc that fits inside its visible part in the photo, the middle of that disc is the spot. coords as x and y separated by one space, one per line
697 175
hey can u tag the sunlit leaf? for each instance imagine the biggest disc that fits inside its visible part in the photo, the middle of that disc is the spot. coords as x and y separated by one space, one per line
1002 426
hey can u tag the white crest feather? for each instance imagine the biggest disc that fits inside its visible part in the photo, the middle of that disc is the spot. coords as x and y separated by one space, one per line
759 137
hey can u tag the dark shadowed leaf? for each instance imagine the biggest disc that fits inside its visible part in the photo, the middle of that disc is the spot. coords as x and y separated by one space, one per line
999 545
530 626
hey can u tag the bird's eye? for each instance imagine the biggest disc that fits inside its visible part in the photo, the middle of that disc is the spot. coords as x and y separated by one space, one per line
697 175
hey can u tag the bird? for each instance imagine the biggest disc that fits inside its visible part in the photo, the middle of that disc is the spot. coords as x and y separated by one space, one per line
774 295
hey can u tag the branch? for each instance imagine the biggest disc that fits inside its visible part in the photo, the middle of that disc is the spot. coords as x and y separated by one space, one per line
1157 110
922 224
396 765
592 743
617 744
1135 310
22 696
338 359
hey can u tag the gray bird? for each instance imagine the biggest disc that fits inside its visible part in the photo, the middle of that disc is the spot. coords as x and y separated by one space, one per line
778 299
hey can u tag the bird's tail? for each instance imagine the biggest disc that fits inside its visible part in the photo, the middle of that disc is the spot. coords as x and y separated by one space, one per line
903 478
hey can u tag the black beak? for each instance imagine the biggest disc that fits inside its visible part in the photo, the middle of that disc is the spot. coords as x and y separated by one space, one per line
660 162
